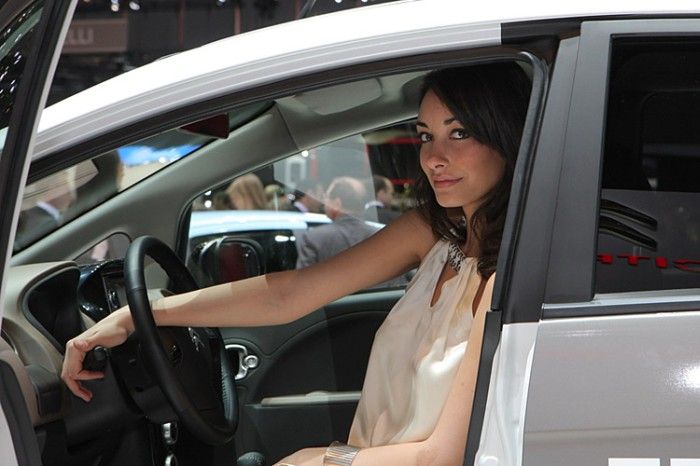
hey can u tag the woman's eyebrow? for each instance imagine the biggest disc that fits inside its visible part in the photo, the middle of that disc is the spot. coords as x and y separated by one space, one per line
449 121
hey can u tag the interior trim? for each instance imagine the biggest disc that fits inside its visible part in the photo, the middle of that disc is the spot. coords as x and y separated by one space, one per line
313 398
14 409
193 112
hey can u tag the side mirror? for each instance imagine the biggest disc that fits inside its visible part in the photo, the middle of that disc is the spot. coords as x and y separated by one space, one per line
229 258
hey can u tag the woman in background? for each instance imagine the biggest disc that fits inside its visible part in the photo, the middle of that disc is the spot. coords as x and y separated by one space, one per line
247 193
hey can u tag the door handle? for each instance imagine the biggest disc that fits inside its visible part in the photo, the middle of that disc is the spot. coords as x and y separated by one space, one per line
246 360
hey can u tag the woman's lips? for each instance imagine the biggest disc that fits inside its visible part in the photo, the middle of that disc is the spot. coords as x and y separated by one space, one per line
439 183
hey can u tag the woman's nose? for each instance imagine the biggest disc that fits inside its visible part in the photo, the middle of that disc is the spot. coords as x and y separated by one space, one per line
434 156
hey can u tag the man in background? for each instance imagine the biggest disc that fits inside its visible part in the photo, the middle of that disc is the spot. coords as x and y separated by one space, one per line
380 209
48 199
307 196
344 205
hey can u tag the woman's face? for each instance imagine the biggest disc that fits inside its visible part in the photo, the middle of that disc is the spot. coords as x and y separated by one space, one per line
460 169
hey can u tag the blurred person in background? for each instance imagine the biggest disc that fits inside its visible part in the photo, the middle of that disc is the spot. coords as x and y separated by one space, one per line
381 208
105 184
344 204
48 199
221 201
308 196
247 193
276 198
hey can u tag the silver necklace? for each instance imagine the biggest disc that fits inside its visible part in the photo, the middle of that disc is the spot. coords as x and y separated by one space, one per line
455 257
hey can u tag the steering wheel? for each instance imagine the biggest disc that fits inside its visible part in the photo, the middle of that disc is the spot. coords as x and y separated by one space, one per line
189 364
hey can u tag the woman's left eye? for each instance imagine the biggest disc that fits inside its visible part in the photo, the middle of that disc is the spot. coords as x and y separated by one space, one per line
459 133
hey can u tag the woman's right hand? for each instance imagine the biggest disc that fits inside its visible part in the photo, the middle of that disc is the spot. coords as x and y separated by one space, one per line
110 331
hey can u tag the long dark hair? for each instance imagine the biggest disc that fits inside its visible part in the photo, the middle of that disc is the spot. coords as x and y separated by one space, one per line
491 102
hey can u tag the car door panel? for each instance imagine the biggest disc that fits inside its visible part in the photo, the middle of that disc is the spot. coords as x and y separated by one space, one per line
621 386
613 372
306 385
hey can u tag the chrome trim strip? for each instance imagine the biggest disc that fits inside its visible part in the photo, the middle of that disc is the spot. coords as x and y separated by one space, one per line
246 360
641 302
313 398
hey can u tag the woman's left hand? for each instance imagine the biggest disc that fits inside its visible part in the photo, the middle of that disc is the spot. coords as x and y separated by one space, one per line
305 457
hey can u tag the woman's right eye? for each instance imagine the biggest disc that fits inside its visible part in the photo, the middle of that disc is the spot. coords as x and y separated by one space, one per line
424 137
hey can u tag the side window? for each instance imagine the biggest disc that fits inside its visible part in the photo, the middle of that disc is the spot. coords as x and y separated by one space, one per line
56 199
649 227
309 206
112 247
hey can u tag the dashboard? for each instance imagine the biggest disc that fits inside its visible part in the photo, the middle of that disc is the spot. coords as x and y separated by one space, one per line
45 306
101 288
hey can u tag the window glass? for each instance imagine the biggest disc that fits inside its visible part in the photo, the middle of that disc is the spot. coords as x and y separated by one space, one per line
649 227
113 247
309 206
59 198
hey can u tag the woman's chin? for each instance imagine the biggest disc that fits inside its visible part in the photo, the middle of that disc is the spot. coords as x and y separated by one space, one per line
448 203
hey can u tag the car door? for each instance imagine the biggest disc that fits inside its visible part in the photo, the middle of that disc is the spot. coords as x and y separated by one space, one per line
605 358
32 33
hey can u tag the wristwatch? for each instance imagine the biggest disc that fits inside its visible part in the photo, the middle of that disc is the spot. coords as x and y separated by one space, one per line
339 454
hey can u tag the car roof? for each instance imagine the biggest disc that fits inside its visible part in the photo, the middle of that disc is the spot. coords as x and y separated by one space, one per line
306 46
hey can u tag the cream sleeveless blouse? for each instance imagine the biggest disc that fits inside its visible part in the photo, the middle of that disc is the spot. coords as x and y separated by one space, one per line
415 356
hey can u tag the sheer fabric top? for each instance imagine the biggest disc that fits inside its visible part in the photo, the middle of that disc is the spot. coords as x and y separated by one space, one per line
415 355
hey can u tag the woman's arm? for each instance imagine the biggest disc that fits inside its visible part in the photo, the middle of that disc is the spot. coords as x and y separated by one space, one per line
282 297
445 447
271 299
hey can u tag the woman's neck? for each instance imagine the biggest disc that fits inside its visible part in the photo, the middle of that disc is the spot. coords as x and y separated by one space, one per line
471 247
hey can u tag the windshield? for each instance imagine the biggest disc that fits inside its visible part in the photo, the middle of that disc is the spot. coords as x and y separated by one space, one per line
62 196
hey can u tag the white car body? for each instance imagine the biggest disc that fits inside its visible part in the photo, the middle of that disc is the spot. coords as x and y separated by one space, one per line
516 429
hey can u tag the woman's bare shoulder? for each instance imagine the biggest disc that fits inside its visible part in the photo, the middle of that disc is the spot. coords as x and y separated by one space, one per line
416 230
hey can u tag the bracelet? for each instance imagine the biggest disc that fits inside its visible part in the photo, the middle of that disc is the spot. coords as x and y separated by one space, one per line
339 454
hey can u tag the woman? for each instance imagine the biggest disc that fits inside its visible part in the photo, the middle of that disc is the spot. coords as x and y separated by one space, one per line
247 193
416 401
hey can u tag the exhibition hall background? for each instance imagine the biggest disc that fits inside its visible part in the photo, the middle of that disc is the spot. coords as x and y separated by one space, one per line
109 37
